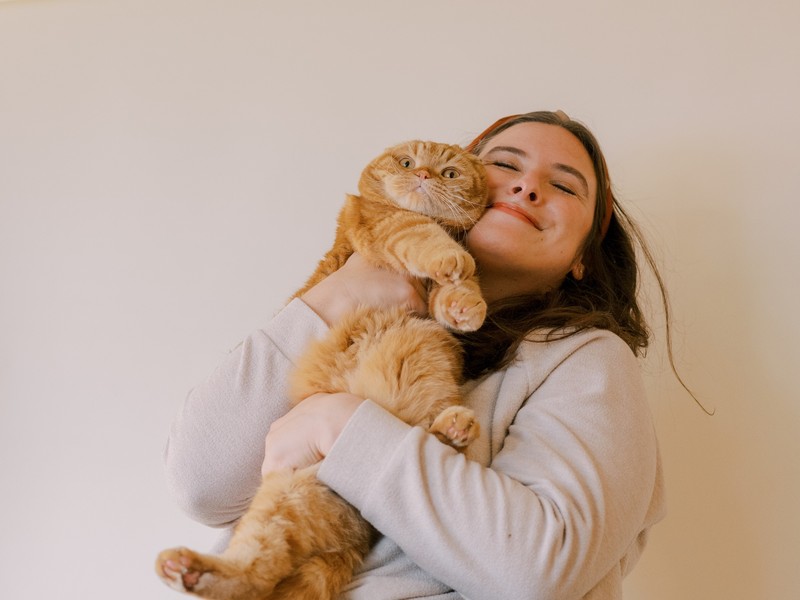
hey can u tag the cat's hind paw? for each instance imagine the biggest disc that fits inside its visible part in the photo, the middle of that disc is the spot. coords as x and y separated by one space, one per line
180 568
456 426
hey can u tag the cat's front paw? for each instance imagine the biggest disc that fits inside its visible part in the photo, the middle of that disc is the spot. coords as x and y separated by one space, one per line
456 426
460 307
451 267
180 568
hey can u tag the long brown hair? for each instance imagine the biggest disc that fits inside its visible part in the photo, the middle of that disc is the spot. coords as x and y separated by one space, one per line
605 298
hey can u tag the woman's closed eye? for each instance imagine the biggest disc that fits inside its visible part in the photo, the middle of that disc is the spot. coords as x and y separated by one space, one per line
564 188
503 165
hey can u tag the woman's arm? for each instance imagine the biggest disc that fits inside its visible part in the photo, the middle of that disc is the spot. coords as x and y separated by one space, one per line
563 502
216 443
358 283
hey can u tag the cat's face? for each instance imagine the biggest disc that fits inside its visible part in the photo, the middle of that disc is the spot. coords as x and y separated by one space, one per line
438 180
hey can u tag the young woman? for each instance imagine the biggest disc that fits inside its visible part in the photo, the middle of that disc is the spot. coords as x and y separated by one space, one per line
556 497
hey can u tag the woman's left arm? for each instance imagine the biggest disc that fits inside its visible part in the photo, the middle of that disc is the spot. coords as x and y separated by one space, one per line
558 510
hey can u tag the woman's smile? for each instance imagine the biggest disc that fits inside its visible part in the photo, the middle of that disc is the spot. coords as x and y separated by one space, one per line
517 212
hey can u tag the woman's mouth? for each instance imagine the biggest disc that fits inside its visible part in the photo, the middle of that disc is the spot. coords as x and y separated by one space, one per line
512 210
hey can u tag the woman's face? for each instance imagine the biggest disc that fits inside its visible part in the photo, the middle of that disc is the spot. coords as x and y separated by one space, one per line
542 192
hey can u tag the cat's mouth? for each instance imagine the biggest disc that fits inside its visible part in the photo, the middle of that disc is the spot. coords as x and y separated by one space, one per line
419 194
421 186
419 201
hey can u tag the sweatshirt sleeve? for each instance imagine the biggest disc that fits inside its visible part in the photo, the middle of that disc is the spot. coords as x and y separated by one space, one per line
557 510
216 441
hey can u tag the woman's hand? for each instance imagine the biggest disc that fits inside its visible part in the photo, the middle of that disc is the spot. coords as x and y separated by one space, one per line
305 435
359 283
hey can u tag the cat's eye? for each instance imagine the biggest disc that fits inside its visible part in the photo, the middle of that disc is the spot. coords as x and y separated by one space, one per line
450 173
406 163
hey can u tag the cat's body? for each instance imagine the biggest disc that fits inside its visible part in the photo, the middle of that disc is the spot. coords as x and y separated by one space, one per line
299 540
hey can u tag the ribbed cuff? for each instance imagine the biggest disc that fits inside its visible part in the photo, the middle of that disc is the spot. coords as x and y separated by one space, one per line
294 327
363 449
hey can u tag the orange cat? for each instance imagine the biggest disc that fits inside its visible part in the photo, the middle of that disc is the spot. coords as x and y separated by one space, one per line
298 539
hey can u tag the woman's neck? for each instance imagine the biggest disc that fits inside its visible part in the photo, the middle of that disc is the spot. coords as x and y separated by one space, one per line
499 286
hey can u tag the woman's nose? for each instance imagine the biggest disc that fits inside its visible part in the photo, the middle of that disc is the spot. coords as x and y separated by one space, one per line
525 189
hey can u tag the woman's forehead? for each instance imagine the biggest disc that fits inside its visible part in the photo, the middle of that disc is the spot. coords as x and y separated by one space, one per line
546 143
538 137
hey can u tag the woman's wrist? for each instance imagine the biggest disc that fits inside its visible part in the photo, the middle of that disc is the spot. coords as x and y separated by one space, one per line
359 283
305 435
342 406
329 300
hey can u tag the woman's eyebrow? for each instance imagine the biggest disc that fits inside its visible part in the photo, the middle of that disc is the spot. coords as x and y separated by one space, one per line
510 149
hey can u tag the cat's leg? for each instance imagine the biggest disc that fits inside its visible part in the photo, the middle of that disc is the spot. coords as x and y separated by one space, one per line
206 576
319 578
266 547
413 243
436 256
458 306
456 426
330 538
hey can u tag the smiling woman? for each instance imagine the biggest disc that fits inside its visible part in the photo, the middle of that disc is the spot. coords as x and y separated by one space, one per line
551 169
542 204
551 500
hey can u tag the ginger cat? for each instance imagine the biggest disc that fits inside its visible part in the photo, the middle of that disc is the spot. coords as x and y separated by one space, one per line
299 540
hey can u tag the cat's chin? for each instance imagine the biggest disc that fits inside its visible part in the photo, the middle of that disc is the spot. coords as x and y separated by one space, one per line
415 200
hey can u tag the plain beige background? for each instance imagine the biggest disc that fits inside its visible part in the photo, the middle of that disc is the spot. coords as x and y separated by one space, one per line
170 171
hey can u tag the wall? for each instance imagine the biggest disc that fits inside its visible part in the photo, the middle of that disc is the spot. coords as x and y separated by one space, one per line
170 171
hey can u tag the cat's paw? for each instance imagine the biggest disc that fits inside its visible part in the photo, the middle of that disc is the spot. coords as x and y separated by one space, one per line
180 568
456 426
451 267
460 307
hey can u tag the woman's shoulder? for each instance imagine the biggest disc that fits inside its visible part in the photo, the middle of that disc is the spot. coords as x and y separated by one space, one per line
591 358
553 348
588 368
590 376
589 353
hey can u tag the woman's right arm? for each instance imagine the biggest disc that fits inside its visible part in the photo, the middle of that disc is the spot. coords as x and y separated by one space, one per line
216 443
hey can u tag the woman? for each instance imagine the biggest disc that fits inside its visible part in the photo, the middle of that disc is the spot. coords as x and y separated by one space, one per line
556 497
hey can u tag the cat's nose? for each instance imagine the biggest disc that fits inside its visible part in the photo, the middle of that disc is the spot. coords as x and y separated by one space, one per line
423 174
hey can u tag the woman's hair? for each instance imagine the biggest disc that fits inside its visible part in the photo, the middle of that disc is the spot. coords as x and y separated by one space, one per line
606 296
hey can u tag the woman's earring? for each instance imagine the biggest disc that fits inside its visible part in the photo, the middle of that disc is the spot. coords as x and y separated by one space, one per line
578 271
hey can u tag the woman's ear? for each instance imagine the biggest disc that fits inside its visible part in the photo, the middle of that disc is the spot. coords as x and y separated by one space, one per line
578 270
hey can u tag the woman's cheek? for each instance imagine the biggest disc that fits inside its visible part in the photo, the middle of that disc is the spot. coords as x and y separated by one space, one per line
490 239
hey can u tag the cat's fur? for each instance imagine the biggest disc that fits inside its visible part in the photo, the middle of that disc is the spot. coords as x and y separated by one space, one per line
299 540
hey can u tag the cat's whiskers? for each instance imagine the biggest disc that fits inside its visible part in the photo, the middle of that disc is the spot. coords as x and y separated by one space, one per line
460 201
443 198
460 214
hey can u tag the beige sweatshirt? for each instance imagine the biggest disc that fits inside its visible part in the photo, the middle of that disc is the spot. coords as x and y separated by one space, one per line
554 500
